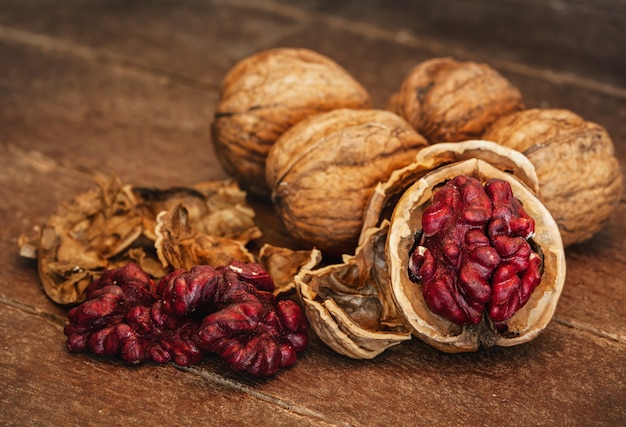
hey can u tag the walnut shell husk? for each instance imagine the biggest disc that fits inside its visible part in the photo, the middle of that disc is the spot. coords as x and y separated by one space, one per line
349 305
116 223
323 171
525 324
580 177
448 100
267 93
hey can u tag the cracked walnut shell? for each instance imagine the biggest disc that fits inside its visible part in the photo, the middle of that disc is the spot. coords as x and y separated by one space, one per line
411 298
580 178
368 303
267 93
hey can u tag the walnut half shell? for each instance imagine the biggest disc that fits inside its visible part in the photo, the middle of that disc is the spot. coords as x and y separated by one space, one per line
349 305
439 332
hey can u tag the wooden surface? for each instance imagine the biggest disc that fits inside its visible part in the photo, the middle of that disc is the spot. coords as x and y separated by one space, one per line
129 88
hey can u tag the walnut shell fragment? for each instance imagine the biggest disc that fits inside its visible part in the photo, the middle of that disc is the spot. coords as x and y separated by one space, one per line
282 264
579 174
178 246
349 305
264 95
448 101
439 332
113 224
323 170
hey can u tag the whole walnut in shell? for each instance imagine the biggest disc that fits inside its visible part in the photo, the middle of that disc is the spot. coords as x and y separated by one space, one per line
579 176
264 95
447 100
323 170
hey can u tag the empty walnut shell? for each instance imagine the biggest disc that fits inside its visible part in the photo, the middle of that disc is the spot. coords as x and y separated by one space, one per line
349 305
448 101
441 333
264 95
579 176
323 170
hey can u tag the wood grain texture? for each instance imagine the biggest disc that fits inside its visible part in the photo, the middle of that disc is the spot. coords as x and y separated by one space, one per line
129 88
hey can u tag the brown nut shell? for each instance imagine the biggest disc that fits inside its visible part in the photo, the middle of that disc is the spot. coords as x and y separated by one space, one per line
323 171
579 176
447 100
349 305
437 331
264 95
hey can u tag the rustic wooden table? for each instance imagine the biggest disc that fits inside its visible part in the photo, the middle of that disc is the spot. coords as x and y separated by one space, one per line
129 88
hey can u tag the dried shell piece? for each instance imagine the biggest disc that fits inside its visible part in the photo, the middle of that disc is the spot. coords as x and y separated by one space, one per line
282 264
179 246
76 242
114 224
442 334
349 305
216 208
264 95
579 175
448 101
323 171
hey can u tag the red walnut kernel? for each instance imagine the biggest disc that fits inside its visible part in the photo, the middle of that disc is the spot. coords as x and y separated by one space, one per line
253 332
473 254
232 306
183 293
252 338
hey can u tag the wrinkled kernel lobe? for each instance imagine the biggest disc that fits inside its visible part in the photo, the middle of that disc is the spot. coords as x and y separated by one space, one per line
473 257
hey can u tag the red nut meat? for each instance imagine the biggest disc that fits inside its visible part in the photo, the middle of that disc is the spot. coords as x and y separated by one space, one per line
473 257
229 310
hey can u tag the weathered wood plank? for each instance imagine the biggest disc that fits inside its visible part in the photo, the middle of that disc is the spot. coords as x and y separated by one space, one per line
43 384
571 36
80 94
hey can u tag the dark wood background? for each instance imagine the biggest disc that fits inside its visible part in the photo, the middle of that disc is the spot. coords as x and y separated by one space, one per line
129 88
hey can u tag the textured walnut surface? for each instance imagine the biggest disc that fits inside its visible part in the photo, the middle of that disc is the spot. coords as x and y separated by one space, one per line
129 89
580 178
